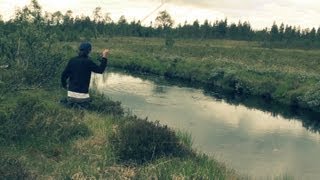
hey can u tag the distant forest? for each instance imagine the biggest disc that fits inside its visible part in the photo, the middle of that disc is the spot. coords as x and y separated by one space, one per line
68 27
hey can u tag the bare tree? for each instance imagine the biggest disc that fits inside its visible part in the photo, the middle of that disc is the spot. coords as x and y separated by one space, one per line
107 18
97 14
164 20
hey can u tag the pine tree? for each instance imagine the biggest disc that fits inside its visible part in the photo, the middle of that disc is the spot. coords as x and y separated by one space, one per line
312 35
281 32
274 33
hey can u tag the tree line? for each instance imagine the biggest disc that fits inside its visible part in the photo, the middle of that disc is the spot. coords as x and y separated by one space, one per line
68 27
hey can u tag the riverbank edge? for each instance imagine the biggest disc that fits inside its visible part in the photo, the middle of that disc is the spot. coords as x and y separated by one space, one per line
68 158
229 85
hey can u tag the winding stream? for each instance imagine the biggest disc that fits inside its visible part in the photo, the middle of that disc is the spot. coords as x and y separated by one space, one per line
260 141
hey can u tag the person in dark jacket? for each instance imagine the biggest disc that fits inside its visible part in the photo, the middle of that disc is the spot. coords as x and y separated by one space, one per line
77 74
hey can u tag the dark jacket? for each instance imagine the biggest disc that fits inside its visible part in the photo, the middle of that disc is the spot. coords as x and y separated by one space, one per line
78 71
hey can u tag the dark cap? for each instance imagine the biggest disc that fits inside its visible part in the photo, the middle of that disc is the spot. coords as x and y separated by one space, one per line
85 47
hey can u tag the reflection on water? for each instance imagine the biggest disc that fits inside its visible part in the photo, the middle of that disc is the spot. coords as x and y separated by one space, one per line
251 141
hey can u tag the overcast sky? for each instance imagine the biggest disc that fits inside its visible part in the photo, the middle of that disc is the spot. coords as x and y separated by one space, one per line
260 13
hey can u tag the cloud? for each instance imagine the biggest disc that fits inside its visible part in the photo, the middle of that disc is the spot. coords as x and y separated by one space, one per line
220 4
260 13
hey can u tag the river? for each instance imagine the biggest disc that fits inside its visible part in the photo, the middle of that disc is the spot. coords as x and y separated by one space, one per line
257 140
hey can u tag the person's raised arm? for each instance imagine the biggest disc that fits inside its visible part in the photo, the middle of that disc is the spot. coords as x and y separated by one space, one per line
103 63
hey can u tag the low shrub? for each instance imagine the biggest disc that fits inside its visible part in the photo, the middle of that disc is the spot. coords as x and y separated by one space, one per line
3 117
34 119
198 167
311 98
140 141
102 104
215 78
13 169
169 42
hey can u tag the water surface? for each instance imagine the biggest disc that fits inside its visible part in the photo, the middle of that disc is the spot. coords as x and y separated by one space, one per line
258 143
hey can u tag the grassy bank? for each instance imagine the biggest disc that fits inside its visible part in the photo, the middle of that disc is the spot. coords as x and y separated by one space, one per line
42 139
290 77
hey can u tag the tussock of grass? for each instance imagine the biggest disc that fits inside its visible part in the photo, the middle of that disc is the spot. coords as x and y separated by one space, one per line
11 168
102 104
139 141
198 167
34 120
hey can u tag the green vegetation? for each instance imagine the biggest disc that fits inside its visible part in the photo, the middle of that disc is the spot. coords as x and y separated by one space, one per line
140 141
52 141
42 139
13 169
39 138
34 120
290 77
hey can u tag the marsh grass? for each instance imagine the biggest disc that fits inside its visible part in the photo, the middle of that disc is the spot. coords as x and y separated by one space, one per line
93 156
140 141
40 153
200 167
11 168
103 104
288 76
34 120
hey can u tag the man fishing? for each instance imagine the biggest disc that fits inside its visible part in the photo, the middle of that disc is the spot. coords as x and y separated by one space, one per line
77 75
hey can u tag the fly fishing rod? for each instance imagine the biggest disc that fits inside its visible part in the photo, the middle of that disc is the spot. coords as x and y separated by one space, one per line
162 3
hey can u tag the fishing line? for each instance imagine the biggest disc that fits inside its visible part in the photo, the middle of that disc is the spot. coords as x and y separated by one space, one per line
162 3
